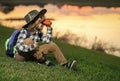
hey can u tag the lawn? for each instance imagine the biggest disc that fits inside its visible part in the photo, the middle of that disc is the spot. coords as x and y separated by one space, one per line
91 65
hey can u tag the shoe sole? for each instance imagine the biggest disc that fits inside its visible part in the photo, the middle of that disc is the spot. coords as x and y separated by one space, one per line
73 65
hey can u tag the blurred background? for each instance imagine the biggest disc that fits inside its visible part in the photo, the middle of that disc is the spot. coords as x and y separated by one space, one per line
87 23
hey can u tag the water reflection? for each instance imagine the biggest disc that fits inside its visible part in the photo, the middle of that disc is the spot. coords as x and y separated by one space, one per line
88 22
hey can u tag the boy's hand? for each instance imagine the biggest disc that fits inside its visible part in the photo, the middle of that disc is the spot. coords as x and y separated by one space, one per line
28 41
47 22
35 44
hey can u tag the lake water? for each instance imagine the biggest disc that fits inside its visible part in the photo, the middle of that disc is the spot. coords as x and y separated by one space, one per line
86 22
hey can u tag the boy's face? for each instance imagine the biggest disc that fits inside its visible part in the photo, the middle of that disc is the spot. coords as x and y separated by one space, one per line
37 25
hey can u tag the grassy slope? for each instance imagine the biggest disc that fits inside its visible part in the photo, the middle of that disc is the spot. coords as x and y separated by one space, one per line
92 65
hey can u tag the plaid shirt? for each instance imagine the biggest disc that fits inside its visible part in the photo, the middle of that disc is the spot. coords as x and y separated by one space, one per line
36 37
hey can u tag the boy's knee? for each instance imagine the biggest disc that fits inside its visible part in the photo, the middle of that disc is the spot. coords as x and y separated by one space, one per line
53 45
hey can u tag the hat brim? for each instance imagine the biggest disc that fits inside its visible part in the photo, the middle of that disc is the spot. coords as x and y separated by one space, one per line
40 14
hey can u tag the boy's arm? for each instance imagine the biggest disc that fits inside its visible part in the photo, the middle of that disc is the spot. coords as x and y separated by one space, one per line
48 37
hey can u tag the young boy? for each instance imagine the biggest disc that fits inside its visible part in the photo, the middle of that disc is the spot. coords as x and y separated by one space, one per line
31 33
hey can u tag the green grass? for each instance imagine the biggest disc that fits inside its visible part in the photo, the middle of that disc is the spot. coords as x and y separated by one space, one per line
92 65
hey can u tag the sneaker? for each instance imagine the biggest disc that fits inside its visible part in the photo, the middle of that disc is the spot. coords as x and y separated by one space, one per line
48 63
72 65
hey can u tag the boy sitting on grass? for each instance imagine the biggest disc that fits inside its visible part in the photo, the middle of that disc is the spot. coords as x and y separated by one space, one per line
27 48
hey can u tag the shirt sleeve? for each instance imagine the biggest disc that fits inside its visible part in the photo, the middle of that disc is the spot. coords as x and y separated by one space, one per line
47 38
20 46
